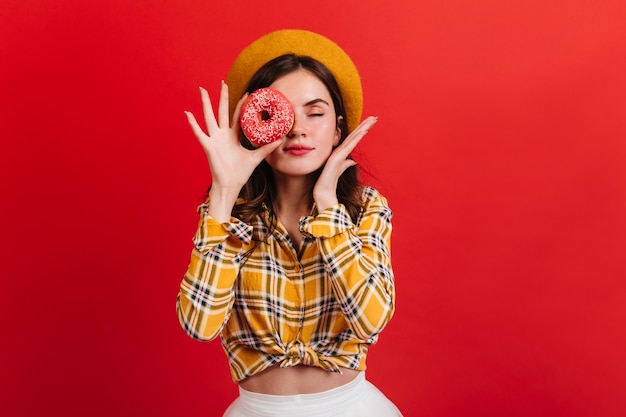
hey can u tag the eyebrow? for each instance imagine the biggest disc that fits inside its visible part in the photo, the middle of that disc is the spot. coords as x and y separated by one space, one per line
315 101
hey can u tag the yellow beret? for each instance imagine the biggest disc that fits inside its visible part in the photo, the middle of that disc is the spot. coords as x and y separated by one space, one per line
299 42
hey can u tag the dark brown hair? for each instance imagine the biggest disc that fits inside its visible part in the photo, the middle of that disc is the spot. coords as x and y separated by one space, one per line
260 190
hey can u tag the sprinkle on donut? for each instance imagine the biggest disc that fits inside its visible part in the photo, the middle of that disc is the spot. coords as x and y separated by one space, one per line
266 116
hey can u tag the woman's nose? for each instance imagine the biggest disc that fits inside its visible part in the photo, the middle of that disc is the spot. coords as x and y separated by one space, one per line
297 129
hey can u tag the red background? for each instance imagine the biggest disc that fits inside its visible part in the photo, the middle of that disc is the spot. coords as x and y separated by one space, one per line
501 147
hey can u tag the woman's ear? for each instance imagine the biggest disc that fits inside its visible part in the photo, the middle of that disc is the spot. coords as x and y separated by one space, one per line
337 131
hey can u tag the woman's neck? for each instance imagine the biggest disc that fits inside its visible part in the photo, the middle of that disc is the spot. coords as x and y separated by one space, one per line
294 200
294 195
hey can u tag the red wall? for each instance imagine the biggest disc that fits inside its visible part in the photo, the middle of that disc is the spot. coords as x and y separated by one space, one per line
501 146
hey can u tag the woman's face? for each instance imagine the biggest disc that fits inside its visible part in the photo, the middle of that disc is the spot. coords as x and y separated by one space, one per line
314 132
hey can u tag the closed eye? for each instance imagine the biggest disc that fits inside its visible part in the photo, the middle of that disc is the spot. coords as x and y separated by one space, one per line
317 107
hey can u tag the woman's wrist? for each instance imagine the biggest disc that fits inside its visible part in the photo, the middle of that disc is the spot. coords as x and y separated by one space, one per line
221 203
324 202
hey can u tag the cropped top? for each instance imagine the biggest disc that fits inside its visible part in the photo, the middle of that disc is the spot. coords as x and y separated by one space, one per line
322 304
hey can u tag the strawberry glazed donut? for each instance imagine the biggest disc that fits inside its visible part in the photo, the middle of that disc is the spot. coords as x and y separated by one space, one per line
266 116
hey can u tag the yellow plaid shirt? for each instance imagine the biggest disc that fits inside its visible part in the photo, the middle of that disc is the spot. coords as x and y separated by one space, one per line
322 305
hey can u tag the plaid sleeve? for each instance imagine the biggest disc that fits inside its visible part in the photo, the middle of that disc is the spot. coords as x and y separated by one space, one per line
206 292
357 259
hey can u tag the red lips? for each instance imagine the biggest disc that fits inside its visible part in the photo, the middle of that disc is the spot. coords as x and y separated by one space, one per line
298 150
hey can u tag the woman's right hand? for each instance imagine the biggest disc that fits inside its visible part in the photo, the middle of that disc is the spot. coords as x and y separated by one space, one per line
231 164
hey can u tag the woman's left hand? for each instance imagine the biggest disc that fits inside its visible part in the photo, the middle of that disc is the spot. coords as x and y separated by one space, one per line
325 190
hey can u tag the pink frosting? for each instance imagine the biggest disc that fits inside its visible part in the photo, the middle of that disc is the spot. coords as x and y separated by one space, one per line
266 116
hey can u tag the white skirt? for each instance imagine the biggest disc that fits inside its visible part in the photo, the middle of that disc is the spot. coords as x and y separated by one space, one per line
358 398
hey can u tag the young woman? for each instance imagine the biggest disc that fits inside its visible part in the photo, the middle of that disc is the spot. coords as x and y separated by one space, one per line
291 264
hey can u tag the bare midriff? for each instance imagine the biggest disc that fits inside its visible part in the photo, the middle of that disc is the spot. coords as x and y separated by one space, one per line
300 379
